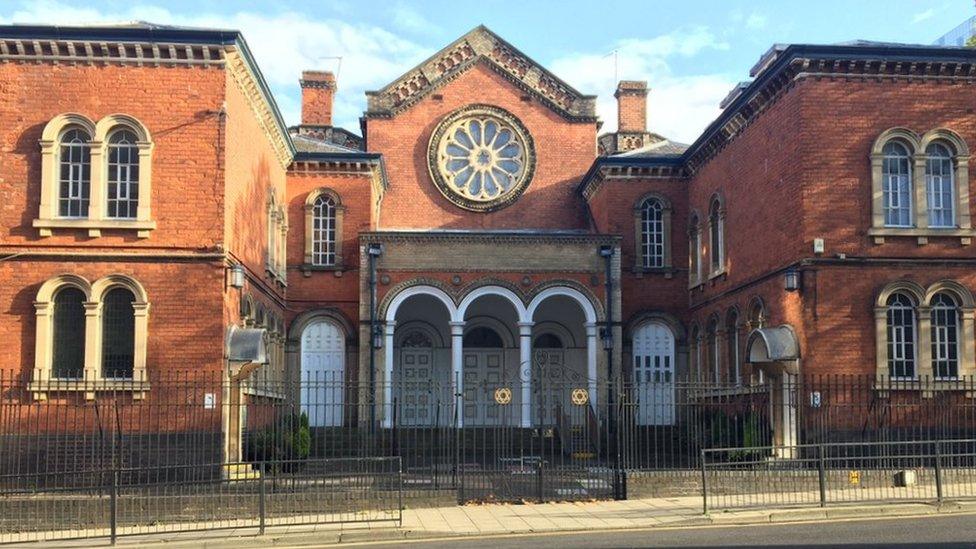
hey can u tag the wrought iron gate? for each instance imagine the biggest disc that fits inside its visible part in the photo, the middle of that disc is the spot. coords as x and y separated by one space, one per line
558 448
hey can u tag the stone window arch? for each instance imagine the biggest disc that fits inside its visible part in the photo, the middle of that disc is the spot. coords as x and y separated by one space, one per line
112 318
652 223
757 314
901 338
920 186
68 334
95 176
277 225
733 332
901 345
695 353
716 235
713 341
952 338
324 214
694 250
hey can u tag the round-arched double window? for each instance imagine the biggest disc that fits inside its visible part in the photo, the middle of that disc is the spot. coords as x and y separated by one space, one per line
481 158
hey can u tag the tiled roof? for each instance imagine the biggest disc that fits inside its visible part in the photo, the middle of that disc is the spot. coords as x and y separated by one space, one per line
308 144
664 147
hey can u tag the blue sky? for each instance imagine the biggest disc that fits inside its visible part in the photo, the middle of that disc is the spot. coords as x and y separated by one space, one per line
691 52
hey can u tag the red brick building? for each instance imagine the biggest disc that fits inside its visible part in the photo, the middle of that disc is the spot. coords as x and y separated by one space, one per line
480 231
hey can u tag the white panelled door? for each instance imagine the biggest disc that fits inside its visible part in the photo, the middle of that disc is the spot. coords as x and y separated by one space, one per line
654 373
323 373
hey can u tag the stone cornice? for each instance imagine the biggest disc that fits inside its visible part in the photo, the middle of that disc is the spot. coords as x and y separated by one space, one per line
90 52
494 237
481 45
260 103
798 64
592 183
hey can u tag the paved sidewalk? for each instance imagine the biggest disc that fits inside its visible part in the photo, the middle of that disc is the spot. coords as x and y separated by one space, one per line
502 519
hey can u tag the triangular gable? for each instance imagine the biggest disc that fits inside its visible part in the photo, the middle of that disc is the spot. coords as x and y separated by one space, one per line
481 44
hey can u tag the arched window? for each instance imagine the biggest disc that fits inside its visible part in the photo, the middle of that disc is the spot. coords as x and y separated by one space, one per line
118 334
732 330
757 314
652 233
416 340
896 181
123 175
324 231
901 336
547 341
694 251
74 181
945 336
714 350
696 364
482 337
68 336
716 236
939 185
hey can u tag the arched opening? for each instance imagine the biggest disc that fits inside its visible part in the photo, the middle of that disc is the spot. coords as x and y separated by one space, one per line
490 359
557 368
323 372
654 373
421 393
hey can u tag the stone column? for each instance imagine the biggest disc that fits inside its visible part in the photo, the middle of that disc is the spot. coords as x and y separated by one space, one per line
457 368
387 380
525 370
592 331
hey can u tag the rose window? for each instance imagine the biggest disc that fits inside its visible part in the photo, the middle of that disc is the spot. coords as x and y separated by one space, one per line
481 158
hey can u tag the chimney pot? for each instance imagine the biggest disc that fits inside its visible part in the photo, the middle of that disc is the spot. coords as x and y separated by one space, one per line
631 106
318 93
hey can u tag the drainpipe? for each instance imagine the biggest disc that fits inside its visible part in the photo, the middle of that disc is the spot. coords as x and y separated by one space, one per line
373 250
607 252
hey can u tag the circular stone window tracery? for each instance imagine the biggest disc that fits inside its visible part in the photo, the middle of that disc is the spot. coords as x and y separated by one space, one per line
481 158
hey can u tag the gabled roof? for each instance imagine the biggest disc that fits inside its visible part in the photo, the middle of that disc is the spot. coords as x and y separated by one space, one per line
481 44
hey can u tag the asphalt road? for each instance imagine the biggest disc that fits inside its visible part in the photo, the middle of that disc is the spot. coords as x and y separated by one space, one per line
936 532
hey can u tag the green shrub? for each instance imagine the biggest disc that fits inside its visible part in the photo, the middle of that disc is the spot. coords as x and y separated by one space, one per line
282 445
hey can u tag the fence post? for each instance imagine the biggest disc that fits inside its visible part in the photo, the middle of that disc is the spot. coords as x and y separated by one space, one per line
262 493
400 490
539 479
822 475
114 507
704 479
938 470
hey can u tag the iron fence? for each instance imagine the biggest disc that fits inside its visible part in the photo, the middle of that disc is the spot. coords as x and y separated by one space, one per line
836 473
119 502
484 440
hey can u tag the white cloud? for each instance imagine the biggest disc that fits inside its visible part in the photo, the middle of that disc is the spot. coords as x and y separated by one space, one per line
371 56
923 15
756 21
410 20
680 106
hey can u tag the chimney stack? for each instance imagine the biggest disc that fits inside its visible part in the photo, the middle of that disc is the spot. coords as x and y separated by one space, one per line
631 106
318 91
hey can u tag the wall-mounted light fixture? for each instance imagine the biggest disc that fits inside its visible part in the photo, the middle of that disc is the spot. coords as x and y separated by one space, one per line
237 276
791 279
374 249
377 337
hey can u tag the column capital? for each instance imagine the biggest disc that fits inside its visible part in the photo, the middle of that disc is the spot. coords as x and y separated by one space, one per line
389 328
457 328
592 329
525 329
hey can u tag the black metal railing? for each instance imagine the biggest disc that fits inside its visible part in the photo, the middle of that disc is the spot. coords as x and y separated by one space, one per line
119 502
457 441
837 473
